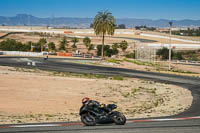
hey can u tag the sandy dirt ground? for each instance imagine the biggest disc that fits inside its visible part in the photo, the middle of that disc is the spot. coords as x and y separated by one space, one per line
1 34
36 96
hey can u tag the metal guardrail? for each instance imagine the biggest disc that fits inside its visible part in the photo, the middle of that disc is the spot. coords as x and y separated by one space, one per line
1 37
82 55
22 53
77 55
175 36
185 62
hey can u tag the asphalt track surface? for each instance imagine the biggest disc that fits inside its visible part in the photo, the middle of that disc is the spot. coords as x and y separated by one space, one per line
186 122
138 39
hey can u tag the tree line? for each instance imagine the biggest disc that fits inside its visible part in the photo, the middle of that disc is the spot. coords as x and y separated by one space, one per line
188 32
42 45
144 27
179 55
120 26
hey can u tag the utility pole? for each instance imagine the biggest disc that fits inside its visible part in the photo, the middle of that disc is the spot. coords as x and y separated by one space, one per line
170 44
32 47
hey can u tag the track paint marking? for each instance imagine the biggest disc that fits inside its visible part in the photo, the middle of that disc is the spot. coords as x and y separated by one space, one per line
45 125
4 127
198 117
172 119
141 120
71 124
188 118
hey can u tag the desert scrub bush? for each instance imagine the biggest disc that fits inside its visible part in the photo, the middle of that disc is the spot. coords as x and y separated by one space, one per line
69 74
143 89
137 62
158 101
152 91
130 55
49 115
129 94
118 77
113 61
133 91
114 89
98 76
145 107
182 71
134 61
125 94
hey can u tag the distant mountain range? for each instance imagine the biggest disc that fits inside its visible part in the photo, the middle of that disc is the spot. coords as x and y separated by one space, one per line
25 19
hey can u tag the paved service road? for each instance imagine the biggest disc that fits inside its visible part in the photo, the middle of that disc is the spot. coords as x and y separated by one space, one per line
165 125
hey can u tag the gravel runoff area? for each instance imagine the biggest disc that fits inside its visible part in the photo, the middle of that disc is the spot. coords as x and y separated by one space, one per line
32 95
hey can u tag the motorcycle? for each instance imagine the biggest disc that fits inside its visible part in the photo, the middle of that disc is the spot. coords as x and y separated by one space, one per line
101 115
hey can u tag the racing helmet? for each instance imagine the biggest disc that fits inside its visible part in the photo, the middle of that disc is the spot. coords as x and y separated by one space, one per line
85 99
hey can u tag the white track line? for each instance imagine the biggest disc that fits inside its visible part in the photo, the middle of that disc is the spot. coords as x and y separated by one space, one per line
43 125
166 119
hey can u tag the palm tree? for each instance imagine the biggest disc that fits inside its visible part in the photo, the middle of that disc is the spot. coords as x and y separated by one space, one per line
63 43
104 23
51 46
74 40
87 41
42 42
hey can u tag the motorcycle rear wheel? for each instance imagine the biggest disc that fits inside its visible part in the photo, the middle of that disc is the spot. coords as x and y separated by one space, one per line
119 118
88 120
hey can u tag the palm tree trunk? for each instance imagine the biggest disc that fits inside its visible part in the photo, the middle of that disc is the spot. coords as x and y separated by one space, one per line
102 48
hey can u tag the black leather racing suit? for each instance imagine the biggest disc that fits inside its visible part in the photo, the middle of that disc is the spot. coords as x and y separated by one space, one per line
94 105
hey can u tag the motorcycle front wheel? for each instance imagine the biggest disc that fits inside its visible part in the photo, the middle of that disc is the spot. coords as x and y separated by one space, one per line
119 118
88 120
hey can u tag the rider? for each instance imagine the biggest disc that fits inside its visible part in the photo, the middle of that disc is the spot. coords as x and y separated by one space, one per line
93 104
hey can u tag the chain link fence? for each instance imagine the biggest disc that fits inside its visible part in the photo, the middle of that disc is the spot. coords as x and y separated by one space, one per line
145 52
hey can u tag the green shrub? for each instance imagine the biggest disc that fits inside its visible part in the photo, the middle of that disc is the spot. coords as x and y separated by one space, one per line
107 50
118 77
13 45
130 55
194 57
114 60
178 56
164 53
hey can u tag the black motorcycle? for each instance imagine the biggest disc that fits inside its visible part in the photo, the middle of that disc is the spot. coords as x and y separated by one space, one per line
101 115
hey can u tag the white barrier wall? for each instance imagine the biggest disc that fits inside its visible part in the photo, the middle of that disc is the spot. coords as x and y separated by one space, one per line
21 53
177 46
167 37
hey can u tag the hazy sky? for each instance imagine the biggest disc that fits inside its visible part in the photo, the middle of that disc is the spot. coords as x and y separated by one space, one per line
148 9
